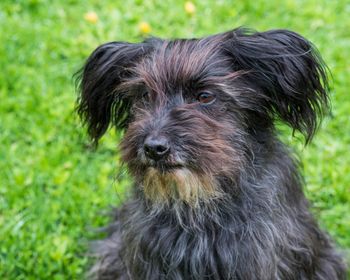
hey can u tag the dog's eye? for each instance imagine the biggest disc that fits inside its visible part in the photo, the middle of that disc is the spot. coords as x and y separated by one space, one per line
145 96
206 98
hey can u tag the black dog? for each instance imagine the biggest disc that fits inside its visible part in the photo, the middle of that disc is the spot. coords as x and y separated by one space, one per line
216 195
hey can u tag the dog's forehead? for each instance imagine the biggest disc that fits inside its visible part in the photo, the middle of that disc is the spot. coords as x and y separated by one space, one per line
181 62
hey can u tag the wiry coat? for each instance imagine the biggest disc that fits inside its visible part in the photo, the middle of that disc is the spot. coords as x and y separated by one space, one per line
227 202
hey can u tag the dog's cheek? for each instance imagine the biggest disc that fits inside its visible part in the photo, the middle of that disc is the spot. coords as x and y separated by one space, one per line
132 141
213 148
221 159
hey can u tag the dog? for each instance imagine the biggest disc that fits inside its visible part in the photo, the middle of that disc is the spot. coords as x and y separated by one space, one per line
216 194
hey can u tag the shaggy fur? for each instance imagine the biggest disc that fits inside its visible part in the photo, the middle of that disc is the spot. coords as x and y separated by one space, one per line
225 199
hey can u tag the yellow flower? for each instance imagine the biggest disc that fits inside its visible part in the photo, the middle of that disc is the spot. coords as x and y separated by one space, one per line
144 27
190 8
91 17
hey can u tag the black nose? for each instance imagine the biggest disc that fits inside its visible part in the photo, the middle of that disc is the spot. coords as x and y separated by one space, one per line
156 148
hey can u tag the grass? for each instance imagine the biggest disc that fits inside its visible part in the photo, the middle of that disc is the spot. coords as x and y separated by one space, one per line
53 186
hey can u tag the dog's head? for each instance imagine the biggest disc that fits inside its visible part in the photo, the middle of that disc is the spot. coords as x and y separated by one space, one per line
192 109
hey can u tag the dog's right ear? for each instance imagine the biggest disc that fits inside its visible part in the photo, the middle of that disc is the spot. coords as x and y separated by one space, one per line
99 102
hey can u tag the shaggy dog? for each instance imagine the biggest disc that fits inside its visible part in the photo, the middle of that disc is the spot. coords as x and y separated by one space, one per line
216 195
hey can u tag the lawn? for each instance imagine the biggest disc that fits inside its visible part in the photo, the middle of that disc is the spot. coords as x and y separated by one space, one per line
55 189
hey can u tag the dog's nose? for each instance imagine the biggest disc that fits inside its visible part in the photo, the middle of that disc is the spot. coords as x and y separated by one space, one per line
156 148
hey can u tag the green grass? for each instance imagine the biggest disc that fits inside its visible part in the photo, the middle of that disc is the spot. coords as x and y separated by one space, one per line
53 186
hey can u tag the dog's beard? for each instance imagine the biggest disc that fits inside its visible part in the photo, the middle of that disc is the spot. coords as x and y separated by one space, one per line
179 185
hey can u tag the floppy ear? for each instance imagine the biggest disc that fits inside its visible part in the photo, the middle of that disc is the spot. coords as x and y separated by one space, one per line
290 75
99 103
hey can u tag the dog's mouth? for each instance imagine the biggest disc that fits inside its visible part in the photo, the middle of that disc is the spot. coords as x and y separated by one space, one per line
165 167
168 164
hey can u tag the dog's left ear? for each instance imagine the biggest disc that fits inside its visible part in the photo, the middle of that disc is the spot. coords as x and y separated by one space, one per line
99 102
290 75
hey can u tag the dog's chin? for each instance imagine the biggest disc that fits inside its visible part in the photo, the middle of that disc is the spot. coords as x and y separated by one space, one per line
176 183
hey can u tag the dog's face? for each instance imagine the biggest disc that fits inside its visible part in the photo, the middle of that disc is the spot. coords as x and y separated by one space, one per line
184 129
193 109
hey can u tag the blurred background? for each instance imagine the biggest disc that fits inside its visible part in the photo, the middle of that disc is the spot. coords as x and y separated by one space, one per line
55 189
